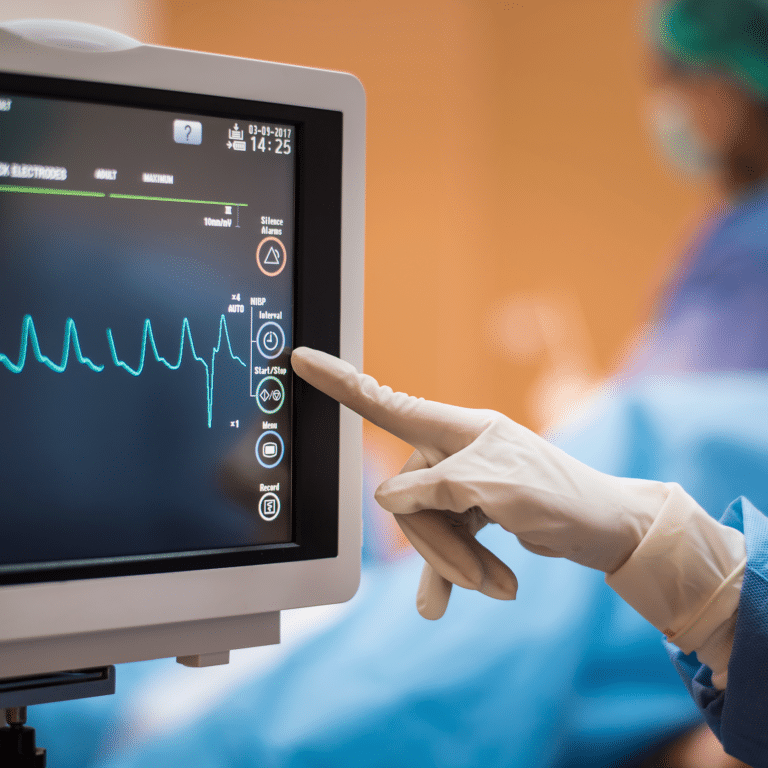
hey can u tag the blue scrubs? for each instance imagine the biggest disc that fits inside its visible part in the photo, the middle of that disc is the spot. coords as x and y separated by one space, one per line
713 315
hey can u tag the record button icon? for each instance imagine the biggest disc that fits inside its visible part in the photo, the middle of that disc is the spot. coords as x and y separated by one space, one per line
269 507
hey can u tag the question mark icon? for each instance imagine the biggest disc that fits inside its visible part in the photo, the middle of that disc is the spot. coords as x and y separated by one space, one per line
189 130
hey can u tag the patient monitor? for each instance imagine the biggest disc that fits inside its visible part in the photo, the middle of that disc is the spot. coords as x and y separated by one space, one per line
172 225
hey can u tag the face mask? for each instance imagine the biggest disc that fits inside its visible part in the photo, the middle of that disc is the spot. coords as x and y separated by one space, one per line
677 136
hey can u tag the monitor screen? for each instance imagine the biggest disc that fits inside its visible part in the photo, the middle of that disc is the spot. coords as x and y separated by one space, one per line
150 260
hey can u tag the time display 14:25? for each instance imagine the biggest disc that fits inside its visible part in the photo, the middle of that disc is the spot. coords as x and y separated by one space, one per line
271 138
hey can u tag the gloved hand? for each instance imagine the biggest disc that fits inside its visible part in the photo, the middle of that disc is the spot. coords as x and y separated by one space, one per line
664 555
475 466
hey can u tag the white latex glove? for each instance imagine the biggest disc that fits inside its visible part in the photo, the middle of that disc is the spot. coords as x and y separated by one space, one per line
475 466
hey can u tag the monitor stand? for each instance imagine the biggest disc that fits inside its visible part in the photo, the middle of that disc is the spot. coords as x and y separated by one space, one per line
17 741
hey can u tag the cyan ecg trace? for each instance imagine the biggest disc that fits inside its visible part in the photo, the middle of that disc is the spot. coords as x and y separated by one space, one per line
72 342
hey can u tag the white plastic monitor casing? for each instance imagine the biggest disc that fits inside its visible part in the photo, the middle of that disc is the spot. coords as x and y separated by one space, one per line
48 627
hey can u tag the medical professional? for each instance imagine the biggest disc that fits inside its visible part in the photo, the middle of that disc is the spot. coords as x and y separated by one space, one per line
703 583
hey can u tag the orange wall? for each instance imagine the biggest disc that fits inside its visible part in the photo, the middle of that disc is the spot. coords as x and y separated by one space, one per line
506 155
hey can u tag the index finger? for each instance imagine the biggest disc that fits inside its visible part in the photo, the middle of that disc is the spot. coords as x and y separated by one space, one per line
435 429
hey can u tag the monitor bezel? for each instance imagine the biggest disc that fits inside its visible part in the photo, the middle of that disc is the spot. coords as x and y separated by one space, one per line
317 289
55 626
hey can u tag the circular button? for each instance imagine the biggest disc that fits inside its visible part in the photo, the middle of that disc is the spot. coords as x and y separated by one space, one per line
271 256
269 507
270 394
269 449
270 340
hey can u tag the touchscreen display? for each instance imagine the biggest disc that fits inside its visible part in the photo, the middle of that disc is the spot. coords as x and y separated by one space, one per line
146 315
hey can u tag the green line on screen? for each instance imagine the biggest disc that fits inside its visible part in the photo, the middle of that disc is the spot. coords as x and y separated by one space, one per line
49 191
174 200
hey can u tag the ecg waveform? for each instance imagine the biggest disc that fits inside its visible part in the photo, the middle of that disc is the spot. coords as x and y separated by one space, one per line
72 342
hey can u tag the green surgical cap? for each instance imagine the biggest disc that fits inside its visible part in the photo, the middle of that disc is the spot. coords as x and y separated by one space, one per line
730 36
